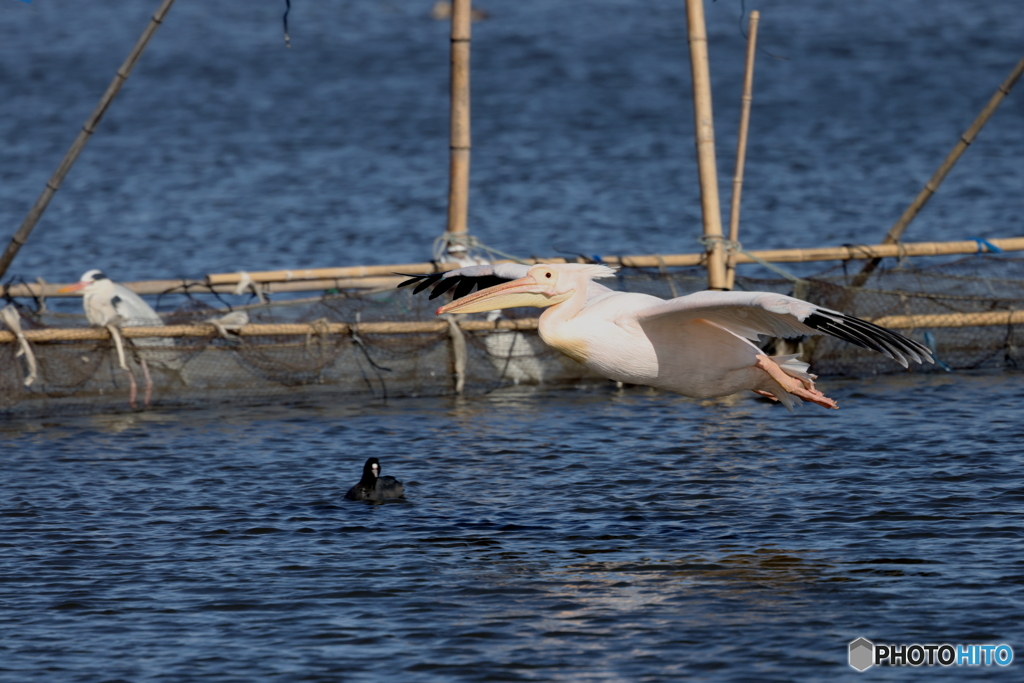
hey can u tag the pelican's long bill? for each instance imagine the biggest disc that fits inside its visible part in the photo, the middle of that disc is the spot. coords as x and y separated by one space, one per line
526 291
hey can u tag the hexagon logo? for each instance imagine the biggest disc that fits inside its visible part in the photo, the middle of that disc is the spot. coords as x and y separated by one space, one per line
862 654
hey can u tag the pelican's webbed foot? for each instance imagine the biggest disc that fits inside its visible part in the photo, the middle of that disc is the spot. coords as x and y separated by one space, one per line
801 388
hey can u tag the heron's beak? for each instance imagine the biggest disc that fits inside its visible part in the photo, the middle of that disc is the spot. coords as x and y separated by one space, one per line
73 288
525 291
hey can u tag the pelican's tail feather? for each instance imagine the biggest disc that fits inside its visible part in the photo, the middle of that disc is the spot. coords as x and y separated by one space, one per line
795 368
791 401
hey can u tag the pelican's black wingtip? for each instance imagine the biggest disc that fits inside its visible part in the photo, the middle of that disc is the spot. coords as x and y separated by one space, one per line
412 279
869 335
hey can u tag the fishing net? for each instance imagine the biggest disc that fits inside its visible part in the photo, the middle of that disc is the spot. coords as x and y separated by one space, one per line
387 343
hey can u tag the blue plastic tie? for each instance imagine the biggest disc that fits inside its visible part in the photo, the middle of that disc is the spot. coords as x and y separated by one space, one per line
929 341
984 244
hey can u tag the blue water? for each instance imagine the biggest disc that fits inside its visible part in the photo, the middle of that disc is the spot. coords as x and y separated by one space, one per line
571 535
226 151
585 534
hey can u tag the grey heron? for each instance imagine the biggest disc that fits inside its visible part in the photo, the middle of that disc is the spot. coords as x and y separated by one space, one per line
108 304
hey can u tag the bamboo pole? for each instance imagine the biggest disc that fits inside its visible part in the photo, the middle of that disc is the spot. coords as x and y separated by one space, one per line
704 129
983 319
55 334
741 148
154 287
460 143
36 212
843 253
367 277
896 231
72 334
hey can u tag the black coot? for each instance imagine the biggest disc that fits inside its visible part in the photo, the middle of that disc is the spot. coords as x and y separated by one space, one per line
375 487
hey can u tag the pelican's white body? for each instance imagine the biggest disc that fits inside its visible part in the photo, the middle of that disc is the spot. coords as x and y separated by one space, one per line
698 345
705 359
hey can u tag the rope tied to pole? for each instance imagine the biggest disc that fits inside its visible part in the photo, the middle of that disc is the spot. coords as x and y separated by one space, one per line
462 246
668 278
734 246
245 282
985 246
459 354
287 9
321 327
9 316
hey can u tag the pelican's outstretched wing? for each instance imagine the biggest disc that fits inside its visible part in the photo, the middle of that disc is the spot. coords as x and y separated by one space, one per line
751 314
465 280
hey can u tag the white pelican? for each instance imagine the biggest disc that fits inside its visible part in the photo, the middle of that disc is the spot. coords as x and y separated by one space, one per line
374 487
698 345
108 304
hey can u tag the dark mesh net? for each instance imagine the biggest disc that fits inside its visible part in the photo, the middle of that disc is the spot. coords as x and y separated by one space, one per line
81 375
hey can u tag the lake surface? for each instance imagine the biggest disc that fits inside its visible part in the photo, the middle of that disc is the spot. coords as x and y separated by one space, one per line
570 535
584 534
227 151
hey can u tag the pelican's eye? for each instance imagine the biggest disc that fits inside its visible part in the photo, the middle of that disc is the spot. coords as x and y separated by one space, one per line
547 274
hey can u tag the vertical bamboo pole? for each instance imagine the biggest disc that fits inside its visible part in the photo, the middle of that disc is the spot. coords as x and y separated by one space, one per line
705 136
896 231
741 148
36 212
458 178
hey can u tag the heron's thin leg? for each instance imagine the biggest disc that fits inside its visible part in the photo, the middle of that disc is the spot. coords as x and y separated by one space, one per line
132 389
115 334
149 382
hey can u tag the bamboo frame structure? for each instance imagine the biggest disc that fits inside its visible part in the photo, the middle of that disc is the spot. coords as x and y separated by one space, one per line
896 231
53 184
741 148
368 277
704 130
460 141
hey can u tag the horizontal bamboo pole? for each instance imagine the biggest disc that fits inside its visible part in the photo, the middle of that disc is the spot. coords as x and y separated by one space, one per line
254 330
866 251
844 253
200 287
896 322
384 276
984 319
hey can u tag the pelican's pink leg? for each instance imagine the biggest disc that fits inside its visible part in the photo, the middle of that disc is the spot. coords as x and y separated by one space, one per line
799 388
149 383
766 394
